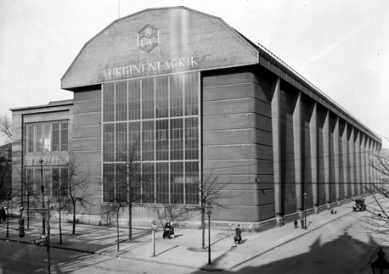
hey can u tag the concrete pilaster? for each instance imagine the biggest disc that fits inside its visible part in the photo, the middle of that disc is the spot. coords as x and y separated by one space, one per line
358 163
326 155
314 162
352 161
276 128
298 151
345 156
336 158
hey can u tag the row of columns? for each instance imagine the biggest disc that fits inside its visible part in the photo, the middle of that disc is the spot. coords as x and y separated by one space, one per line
349 146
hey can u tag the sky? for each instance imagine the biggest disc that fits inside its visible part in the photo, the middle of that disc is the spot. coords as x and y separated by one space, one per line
341 46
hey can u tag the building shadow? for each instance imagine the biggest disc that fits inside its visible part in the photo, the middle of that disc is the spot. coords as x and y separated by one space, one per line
343 255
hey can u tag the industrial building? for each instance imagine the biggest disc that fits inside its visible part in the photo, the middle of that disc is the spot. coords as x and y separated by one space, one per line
200 98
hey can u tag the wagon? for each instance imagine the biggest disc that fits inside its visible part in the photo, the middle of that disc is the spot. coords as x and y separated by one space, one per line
359 205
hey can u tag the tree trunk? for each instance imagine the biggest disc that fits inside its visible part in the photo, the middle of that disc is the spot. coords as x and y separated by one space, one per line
130 222
74 219
117 228
28 210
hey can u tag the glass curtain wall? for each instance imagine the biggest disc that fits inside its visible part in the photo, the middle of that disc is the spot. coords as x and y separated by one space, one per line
159 117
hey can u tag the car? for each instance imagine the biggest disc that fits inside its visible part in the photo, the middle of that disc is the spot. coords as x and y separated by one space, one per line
359 205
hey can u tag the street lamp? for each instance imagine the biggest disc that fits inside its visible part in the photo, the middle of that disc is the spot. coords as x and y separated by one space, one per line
380 264
43 198
305 210
6 208
209 212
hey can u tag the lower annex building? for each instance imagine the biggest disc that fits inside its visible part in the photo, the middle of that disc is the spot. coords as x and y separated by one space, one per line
198 98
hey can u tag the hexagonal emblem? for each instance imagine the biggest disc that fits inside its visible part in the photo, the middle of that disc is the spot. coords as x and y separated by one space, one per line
148 38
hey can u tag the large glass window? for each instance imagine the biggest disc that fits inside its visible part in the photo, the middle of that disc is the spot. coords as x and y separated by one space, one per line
159 118
47 137
54 180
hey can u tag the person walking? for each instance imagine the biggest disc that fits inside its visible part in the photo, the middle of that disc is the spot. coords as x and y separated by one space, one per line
3 215
238 235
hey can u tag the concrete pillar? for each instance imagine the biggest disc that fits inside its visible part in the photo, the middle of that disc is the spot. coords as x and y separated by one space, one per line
298 152
276 128
345 157
326 155
314 154
358 162
336 159
363 163
352 161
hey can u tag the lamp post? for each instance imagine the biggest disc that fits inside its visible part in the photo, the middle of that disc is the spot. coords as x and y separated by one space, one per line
209 212
305 210
43 198
6 208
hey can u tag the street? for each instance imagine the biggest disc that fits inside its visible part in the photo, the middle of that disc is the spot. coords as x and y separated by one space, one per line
343 245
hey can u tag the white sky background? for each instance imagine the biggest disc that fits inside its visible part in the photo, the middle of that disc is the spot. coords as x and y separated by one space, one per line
341 46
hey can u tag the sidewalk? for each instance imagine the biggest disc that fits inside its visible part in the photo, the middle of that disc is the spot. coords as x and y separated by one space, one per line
185 250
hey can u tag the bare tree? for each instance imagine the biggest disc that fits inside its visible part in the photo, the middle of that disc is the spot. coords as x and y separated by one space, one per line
213 192
6 128
5 173
60 197
77 194
378 219
130 185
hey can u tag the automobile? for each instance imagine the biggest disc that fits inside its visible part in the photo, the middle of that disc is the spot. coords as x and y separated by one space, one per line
359 205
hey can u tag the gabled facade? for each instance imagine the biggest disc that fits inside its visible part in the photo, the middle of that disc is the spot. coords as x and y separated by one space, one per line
199 97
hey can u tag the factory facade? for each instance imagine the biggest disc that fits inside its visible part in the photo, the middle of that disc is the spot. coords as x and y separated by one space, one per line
197 98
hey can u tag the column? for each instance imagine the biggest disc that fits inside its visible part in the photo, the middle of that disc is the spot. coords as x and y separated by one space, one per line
313 139
345 157
336 159
276 127
326 155
298 152
352 161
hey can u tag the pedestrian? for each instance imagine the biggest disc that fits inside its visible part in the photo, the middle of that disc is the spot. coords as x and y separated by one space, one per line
302 223
166 231
238 235
171 231
296 224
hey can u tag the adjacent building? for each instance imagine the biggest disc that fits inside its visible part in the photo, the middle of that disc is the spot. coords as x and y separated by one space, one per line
200 98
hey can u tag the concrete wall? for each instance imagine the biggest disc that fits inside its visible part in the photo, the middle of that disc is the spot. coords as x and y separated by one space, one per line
86 143
237 143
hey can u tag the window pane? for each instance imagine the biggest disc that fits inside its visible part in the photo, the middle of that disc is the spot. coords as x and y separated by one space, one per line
191 94
39 138
64 136
47 181
134 136
56 181
121 101
121 182
162 139
134 100
176 95
108 105
108 144
64 182
55 139
148 182
47 138
148 98
148 140
162 183
108 187
176 139
177 183
30 180
191 138
30 138
162 97
192 183
121 141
